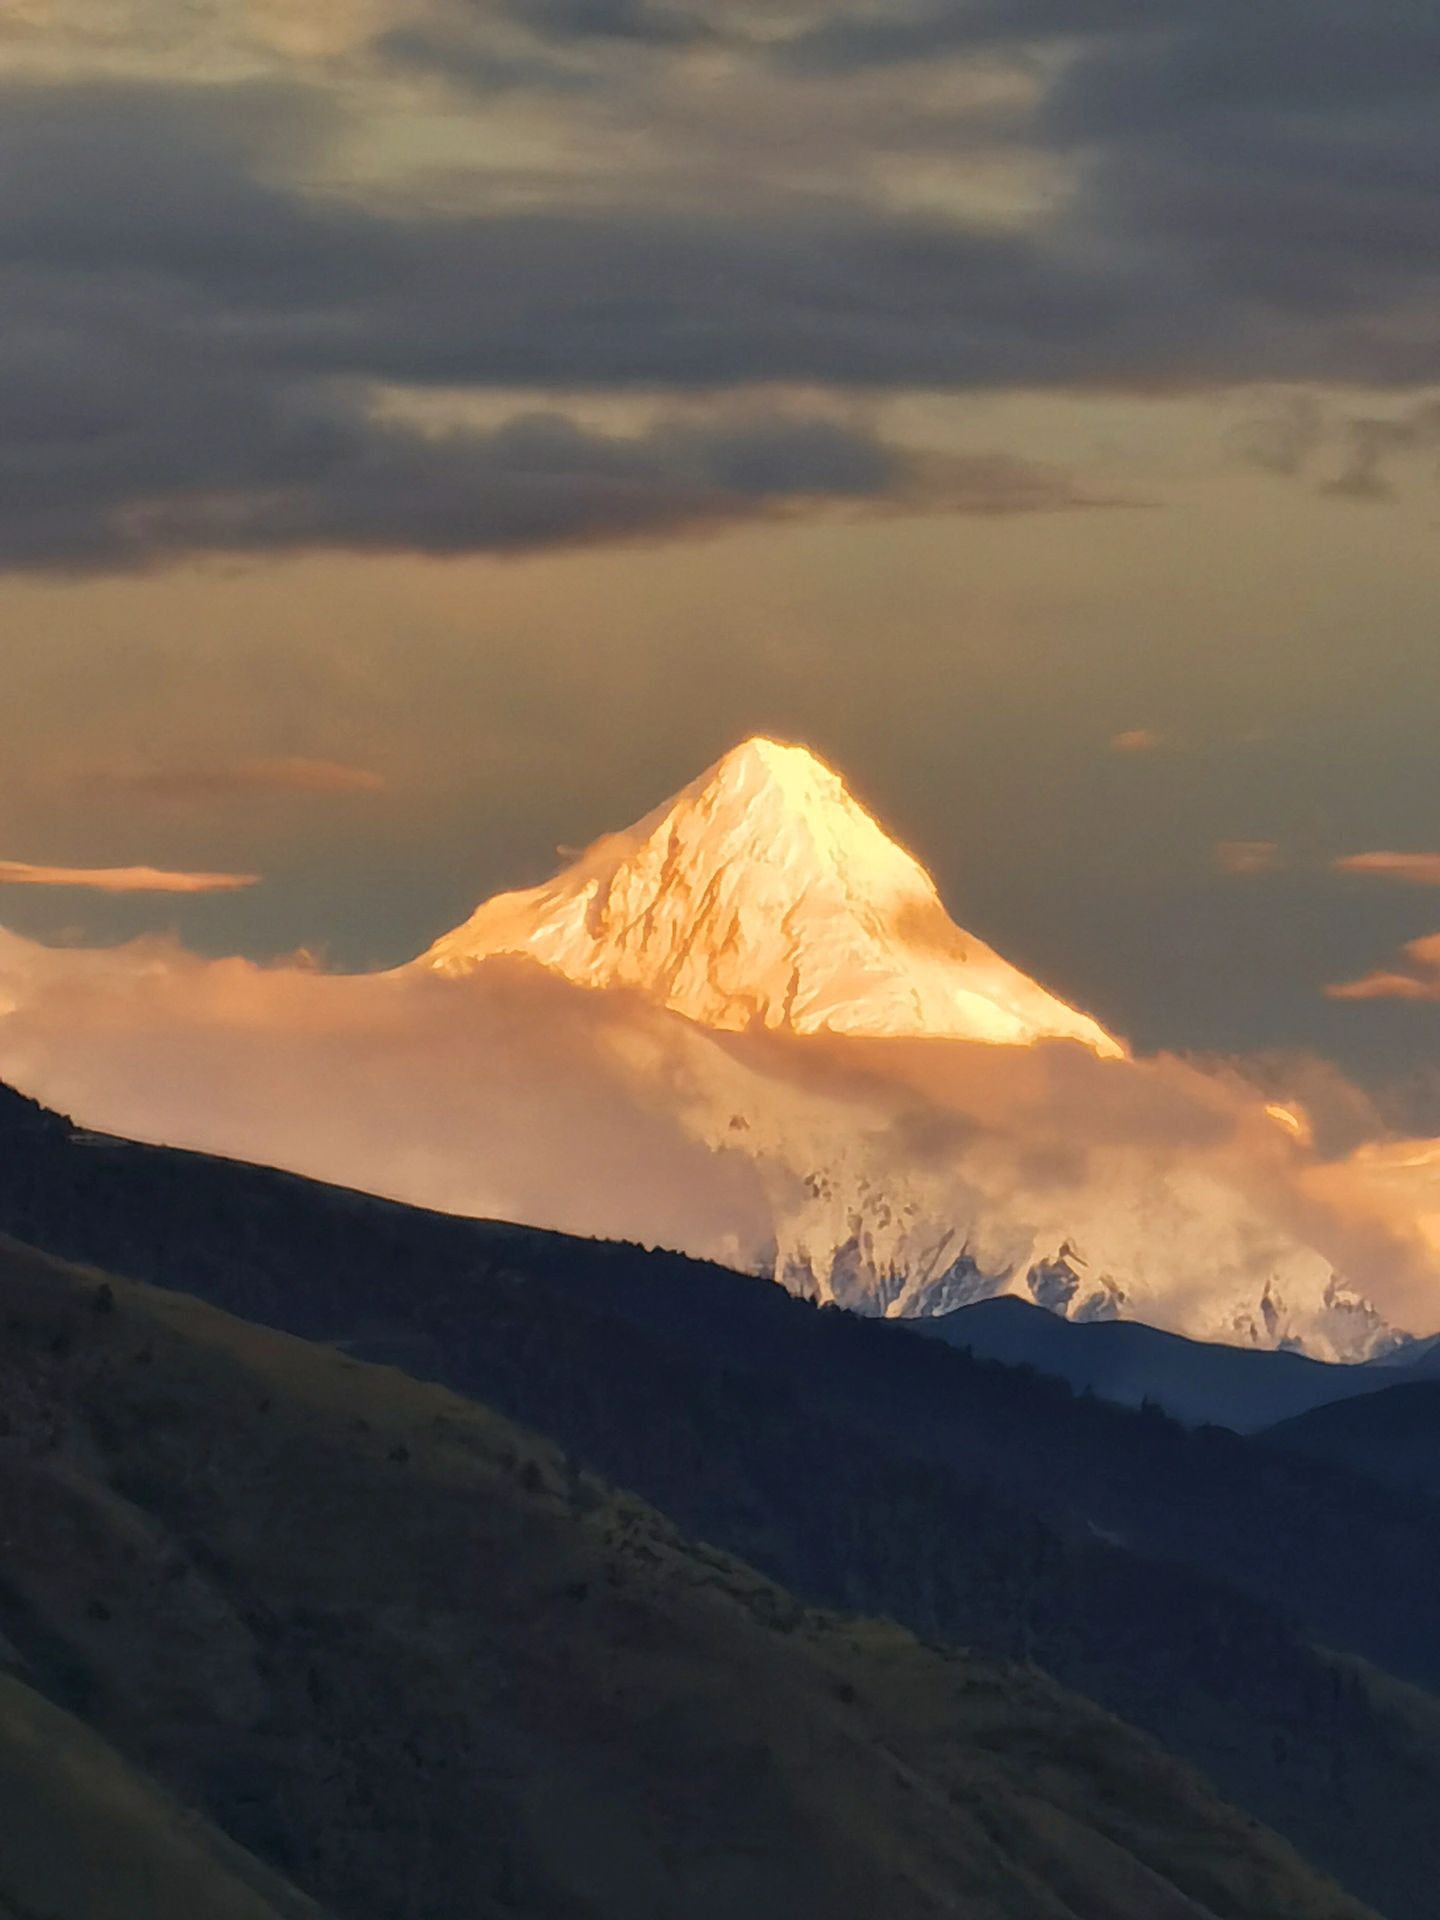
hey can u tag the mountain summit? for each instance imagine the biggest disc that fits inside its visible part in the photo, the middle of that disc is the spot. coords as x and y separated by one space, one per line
765 894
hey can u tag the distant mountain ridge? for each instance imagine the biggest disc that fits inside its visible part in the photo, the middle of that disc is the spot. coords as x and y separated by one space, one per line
1199 1382
1392 1436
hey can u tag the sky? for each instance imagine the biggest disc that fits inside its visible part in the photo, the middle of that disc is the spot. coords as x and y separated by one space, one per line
431 433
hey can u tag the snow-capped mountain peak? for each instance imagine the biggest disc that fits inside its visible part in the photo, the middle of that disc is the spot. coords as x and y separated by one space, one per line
764 894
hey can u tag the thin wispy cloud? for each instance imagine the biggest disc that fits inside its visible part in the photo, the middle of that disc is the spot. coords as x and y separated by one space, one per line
1416 977
1247 857
284 774
20 873
1411 869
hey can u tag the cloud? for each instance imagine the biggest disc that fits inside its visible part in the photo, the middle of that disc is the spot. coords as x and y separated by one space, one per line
1418 977
206 311
128 446
514 1094
1275 166
1137 740
19 873
282 774
1290 434
1247 856
1413 869
1282 436
509 1098
1375 442
198 354
1000 484
647 21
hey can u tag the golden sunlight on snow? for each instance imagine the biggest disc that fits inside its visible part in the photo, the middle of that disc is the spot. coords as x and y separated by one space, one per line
765 895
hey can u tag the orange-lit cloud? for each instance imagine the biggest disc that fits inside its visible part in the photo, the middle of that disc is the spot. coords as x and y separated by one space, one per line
1137 740
286 773
19 873
1412 869
1418 977
514 1094
1247 856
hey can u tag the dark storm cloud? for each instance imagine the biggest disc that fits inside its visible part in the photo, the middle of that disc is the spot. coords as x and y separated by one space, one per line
201 463
192 350
1133 56
642 21
124 221
1279 163
537 481
457 42
471 63
1202 254
1147 64
189 405
193 341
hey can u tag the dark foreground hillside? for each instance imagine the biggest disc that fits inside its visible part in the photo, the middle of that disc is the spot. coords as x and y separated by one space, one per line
84 1835
415 1660
1189 1582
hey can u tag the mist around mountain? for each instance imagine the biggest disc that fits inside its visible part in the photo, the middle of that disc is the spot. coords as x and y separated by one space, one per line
1231 1600
747 1029
535 1698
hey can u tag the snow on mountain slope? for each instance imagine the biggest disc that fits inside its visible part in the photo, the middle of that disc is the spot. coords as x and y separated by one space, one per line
1099 1189
763 900
801 1076
765 894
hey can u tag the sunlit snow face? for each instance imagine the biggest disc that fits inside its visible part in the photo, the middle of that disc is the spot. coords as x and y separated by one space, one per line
859 1097
764 894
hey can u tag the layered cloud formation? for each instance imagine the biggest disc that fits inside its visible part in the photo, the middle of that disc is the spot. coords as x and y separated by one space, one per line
216 292
867 1170
449 278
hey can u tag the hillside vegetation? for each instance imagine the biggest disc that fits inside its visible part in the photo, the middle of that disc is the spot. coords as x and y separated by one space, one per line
83 1836
1188 1582
423 1664
1393 1437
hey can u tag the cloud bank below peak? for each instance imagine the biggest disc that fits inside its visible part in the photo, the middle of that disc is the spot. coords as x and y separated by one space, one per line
894 1175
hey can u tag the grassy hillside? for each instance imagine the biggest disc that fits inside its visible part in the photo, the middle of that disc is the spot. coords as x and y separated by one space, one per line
1179 1579
420 1662
83 1836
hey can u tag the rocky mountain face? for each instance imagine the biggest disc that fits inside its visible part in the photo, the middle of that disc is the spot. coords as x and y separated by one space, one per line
930 1126
747 1029
764 894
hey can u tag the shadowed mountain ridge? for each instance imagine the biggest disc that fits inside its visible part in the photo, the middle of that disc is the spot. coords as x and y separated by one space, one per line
1177 1578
